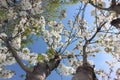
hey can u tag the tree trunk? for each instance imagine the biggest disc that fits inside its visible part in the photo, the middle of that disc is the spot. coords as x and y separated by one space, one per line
42 70
84 73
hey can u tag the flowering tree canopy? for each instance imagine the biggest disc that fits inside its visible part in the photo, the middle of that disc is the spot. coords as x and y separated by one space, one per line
74 43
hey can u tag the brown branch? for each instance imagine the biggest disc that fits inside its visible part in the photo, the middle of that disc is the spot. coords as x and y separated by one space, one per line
87 42
17 58
53 63
113 7
98 29
96 6
84 55
113 2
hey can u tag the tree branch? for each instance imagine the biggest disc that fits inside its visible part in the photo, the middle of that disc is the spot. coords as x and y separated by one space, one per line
96 6
87 42
113 7
17 58
98 29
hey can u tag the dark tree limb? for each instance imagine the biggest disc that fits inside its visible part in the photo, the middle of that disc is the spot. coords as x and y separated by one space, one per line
96 6
113 7
116 23
113 2
53 63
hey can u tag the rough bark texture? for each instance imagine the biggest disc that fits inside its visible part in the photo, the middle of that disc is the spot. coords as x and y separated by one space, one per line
84 73
42 70
116 23
39 73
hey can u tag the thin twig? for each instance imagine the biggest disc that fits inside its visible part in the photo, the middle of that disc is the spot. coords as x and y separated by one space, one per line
106 32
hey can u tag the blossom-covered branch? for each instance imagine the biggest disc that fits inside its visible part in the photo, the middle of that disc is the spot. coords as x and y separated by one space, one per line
17 58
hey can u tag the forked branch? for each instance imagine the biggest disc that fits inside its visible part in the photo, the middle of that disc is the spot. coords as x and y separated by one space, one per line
88 42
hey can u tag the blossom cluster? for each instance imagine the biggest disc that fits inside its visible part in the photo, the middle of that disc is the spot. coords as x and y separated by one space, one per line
6 73
65 70
52 35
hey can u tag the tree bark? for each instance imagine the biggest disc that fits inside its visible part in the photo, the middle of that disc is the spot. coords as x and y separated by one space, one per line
42 70
84 73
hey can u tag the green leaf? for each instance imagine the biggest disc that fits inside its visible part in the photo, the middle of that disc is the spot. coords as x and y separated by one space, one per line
100 5
30 63
51 53
40 57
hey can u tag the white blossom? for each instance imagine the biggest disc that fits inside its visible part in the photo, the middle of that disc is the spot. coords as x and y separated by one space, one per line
12 14
24 56
42 23
73 63
26 5
23 13
46 57
9 60
6 73
65 70
3 35
2 57
36 10
3 3
16 42
25 51
23 21
33 58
